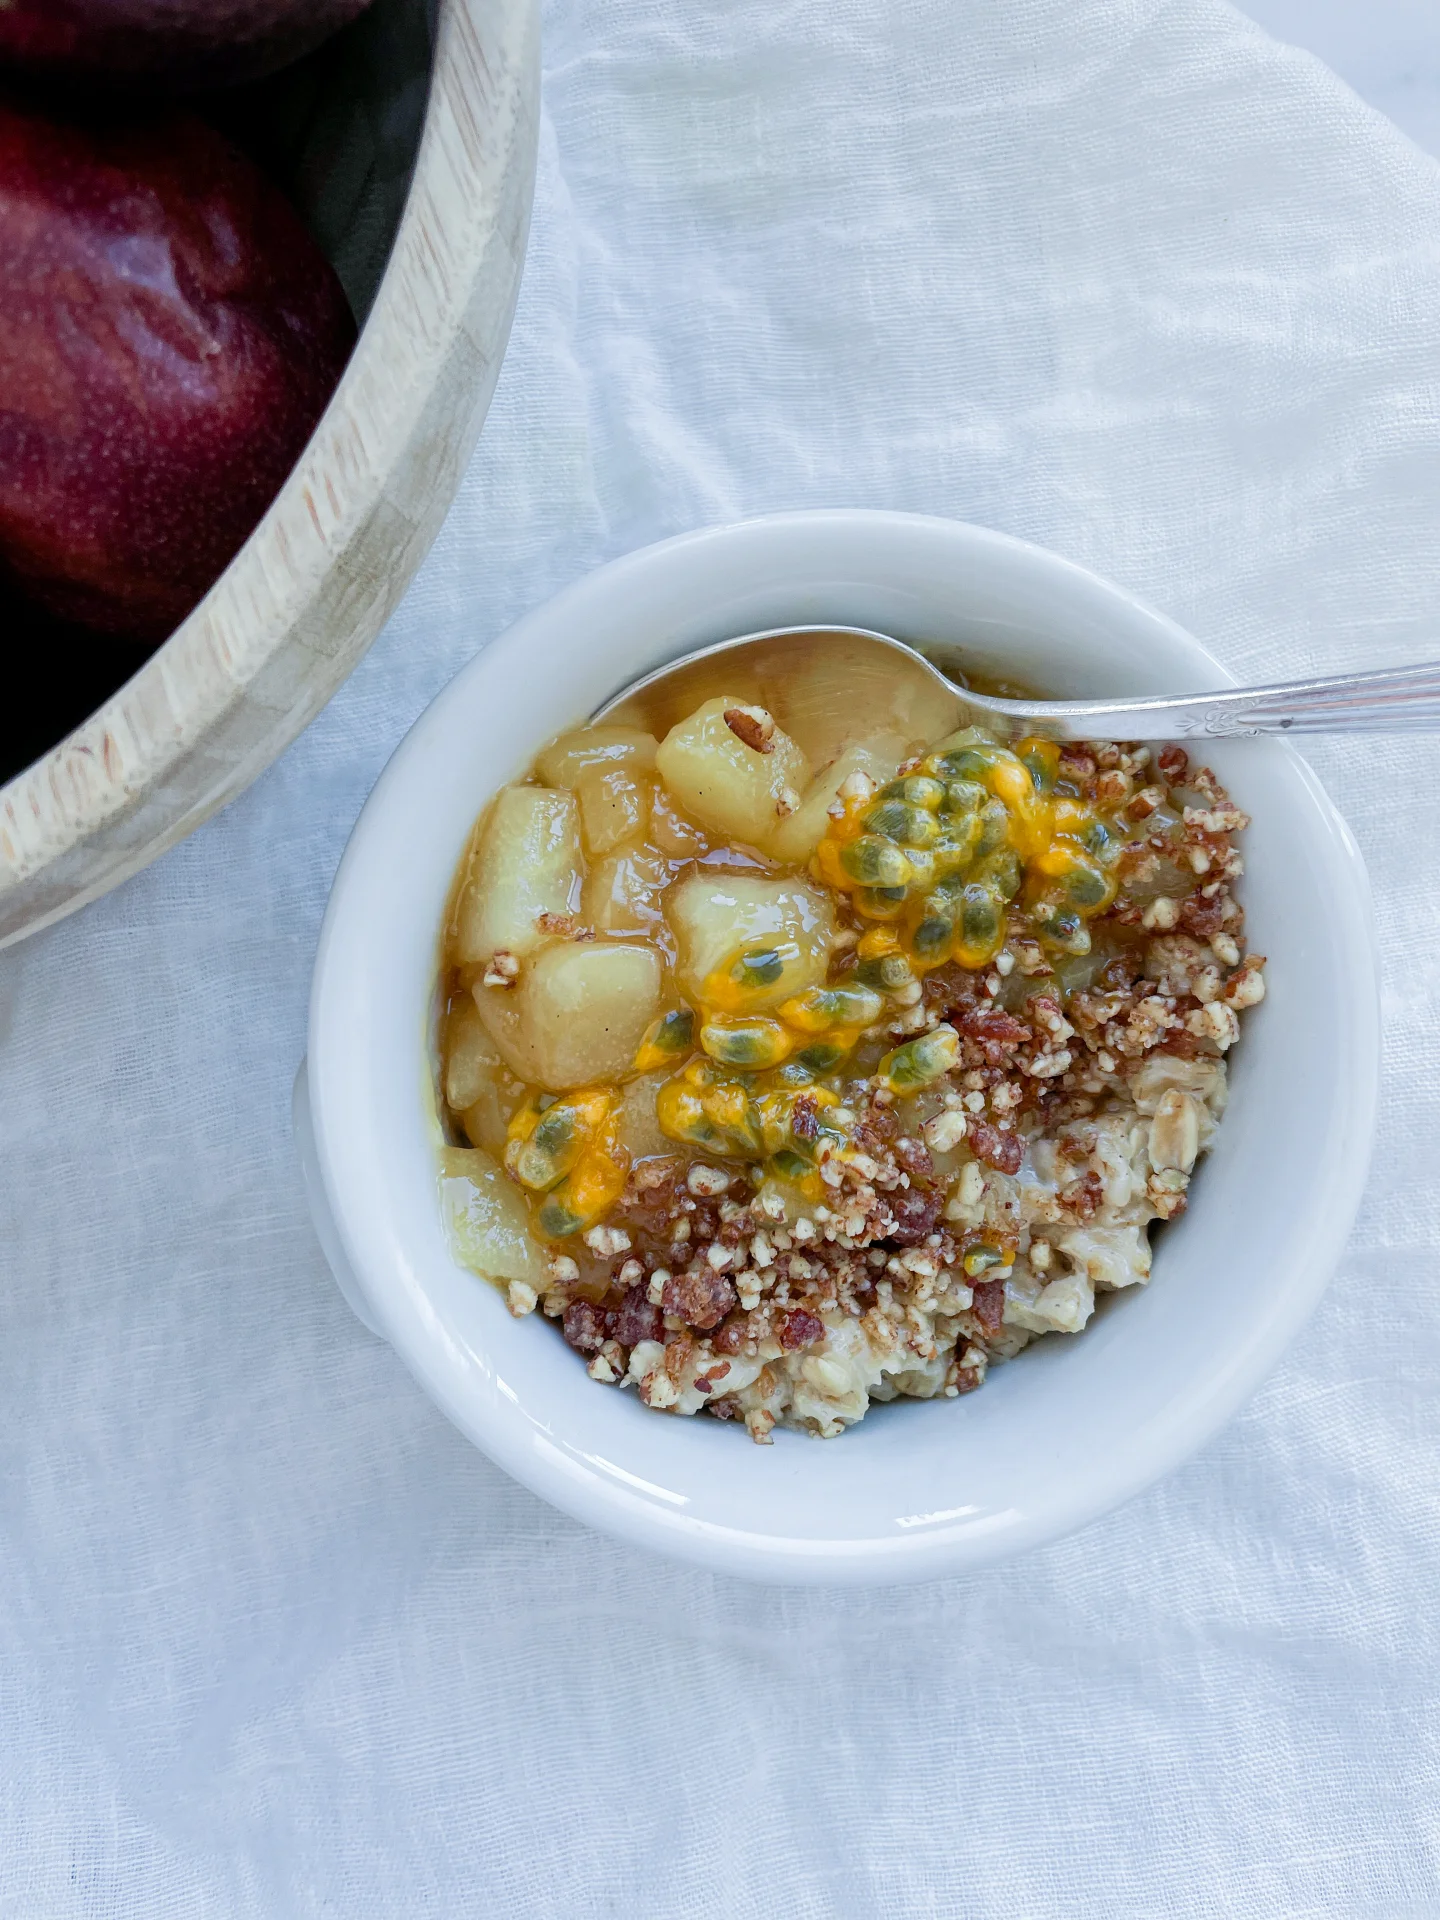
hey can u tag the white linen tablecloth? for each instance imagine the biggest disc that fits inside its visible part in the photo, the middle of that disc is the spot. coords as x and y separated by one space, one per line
1120 276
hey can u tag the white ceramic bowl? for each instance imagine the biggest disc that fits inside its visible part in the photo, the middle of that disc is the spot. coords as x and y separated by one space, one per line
919 1489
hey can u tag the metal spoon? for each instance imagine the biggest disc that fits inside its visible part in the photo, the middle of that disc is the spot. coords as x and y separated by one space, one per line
823 676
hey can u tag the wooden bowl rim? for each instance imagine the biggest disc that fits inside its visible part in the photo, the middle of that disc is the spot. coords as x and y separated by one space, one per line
478 141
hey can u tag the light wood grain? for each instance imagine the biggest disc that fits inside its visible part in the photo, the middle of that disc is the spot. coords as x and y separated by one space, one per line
306 595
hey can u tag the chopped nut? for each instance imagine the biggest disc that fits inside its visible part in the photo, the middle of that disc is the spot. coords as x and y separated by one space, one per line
503 970
584 1326
658 1390
753 727
1112 788
945 1131
701 1298
970 1369
1048 1065
1216 1022
997 1148
638 1319
1161 914
989 1305
800 1328
607 1241
560 1268
705 1182
1247 988
1203 914
855 786
1046 1013
1216 819
916 1210
1206 984
521 1298
787 801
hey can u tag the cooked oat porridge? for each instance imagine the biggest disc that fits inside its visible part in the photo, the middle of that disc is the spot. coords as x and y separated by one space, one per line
793 1088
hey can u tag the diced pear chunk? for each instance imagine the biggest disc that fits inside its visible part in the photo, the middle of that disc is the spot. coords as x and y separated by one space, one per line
470 1055
587 1006
796 838
578 1014
622 892
486 1123
486 1218
670 831
614 807
727 785
718 916
479 1087
527 863
562 763
499 1009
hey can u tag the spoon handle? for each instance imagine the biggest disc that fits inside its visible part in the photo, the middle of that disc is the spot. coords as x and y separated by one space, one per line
1395 700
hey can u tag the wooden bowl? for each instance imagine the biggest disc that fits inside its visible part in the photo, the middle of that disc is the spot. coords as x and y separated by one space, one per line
307 593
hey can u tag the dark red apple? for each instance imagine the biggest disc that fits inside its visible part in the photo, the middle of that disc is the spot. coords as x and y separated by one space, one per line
179 43
169 336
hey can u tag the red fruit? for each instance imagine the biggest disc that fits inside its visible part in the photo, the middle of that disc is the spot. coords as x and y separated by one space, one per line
188 43
169 336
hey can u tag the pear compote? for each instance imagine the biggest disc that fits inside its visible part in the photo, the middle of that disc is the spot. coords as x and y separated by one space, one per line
800 1074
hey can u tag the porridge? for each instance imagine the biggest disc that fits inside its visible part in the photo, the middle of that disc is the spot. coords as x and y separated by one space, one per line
792 1088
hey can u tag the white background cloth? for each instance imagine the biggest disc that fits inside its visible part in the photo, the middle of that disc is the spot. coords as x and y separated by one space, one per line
1120 276
1388 50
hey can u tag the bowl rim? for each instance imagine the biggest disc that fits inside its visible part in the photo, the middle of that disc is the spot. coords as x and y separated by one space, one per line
398 1312
306 594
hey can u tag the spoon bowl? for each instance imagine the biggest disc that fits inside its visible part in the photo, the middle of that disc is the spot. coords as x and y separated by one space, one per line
829 681
826 674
